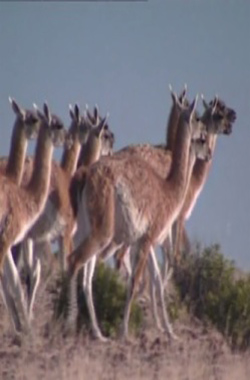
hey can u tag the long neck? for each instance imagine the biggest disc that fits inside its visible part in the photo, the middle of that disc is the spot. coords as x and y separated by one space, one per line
18 148
172 127
178 172
40 179
90 152
201 167
191 162
70 158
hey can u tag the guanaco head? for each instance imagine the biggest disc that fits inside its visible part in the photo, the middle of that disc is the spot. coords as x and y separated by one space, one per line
218 117
201 148
53 126
26 120
179 103
80 126
94 145
200 144
107 136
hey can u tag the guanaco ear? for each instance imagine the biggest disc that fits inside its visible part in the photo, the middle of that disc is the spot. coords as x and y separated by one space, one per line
40 115
205 105
46 112
193 105
16 108
183 94
214 104
96 114
174 97
77 113
102 125
71 112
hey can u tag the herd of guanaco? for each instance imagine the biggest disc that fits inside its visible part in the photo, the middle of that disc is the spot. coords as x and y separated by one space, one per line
97 202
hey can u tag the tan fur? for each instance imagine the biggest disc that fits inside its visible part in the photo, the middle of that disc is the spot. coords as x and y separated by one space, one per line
26 127
128 202
218 118
20 207
160 158
57 219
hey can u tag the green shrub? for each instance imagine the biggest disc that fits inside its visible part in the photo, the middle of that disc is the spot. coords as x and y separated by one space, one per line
207 283
109 295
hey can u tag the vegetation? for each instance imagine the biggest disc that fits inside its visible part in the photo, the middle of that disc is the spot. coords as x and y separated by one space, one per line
213 290
109 294
207 284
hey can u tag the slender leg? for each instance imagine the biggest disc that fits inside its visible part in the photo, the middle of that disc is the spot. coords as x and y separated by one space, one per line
11 276
167 250
36 276
65 247
33 268
100 235
83 256
178 241
138 268
10 305
153 286
43 251
87 284
155 272
127 262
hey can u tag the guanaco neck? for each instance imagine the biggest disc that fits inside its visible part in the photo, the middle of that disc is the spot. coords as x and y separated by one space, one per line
70 157
180 158
91 151
172 125
18 148
191 162
40 179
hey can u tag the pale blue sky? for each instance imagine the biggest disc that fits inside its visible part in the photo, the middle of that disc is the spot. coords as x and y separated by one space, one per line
123 55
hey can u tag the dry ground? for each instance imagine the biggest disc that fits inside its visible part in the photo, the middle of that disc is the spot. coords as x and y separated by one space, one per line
201 353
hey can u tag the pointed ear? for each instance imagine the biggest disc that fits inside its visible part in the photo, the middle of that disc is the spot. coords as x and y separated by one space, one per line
40 115
102 125
205 105
214 104
71 112
96 114
183 94
193 105
16 108
77 113
174 97
47 112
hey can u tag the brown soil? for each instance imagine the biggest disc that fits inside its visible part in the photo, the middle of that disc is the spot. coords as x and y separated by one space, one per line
201 352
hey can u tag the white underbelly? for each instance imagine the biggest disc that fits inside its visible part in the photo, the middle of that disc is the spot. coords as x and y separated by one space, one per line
130 221
49 226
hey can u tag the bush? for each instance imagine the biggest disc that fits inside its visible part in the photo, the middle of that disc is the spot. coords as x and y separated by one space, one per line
109 295
207 283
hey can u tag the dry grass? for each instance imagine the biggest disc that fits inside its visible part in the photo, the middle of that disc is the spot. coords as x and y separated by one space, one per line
201 353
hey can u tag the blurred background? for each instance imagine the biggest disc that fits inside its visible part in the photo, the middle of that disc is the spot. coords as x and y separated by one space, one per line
122 56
